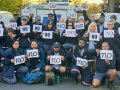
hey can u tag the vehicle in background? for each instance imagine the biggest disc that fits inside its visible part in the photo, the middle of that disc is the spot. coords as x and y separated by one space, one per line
6 17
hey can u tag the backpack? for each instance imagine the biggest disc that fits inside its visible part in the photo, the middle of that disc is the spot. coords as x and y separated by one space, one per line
33 77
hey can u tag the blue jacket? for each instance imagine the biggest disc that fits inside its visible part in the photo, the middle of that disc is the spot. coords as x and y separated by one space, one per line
70 40
84 56
8 67
101 65
40 59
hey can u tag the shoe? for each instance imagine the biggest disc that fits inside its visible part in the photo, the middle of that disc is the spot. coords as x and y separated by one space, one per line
110 85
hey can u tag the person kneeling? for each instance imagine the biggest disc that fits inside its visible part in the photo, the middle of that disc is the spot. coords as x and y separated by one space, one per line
56 51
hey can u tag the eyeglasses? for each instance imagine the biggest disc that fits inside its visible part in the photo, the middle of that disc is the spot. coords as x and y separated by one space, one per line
69 25
50 16
56 47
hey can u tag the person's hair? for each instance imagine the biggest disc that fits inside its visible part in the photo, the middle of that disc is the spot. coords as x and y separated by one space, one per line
15 40
34 40
93 23
111 22
10 30
72 25
102 17
83 39
50 14
105 43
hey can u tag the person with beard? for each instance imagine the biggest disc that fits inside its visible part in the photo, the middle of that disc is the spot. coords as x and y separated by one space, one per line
81 51
37 34
35 63
47 43
100 25
104 67
57 68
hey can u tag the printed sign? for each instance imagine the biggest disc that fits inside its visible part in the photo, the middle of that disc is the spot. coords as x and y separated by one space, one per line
108 34
13 25
37 28
25 12
84 7
33 53
1 17
94 36
1 31
81 62
119 30
70 32
79 26
106 54
73 15
55 60
19 59
1 26
52 6
25 29
61 26
47 34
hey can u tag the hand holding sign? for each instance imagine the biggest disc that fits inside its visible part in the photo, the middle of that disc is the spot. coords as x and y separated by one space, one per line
107 60
98 52
106 54
48 58
76 34
62 57
108 33
19 59
12 60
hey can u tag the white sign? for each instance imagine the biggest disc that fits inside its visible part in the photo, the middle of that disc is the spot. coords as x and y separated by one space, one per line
106 54
55 60
94 36
119 30
1 31
79 26
1 16
47 34
81 62
1 26
108 34
61 26
13 25
73 15
52 6
84 7
19 59
33 53
105 25
25 12
25 29
70 32
37 28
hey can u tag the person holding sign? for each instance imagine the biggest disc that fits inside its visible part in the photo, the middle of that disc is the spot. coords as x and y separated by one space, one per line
37 62
56 51
55 36
104 67
82 52
8 64
50 17
24 38
36 33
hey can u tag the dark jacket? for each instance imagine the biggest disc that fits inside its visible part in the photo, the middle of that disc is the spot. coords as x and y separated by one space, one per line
84 56
82 31
61 52
101 65
1 22
40 59
70 40
8 67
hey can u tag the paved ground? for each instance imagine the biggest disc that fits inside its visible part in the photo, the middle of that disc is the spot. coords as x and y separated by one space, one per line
65 84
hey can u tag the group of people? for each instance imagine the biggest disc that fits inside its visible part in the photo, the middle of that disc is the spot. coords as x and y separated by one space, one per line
14 43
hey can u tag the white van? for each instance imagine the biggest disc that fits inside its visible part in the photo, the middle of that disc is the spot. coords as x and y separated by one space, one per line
6 17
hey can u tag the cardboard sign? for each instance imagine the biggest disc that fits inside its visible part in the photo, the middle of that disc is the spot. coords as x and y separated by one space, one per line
37 28
79 26
119 30
73 15
105 25
19 59
1 17
70 32
84 7
108 34
55 60
106 54
25 29
81 62
25 12
1 26
94 36
61 26
52 6
1 31
33 53
13 25
47 34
